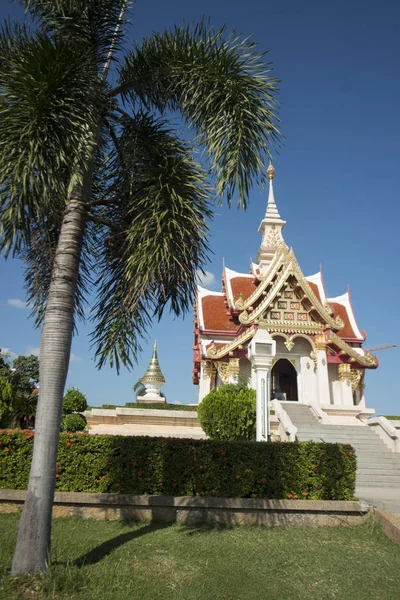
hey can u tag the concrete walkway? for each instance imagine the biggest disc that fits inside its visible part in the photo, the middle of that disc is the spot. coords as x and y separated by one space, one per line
385 498
378 468
178 431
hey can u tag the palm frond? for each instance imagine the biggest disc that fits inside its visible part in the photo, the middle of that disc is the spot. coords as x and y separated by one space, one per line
224 89
50 98
96 23
157 240
38 256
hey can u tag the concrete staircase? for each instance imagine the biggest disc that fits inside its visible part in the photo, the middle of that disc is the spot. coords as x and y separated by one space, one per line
378 469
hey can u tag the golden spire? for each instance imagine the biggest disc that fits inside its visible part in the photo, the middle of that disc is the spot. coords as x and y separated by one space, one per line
270 171
153 372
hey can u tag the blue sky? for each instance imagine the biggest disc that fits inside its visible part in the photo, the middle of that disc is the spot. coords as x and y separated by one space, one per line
336 182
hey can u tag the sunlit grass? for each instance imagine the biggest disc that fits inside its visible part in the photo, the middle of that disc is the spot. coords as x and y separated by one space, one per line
111 560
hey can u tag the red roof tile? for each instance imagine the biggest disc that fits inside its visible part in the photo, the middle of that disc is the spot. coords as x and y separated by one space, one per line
245 285
215 315
340 311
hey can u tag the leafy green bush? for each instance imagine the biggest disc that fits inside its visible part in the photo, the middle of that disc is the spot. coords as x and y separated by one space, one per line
144 465
392 417
229 413
73 422
74 401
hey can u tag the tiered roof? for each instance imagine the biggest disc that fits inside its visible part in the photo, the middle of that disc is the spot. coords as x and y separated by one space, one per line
276 293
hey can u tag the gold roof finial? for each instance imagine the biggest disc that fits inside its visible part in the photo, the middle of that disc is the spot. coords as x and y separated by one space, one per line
270 171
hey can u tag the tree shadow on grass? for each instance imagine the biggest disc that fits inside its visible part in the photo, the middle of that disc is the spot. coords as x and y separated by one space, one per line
97 554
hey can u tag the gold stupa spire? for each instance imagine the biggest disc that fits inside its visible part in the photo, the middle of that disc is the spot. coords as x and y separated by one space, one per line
153 372
270 171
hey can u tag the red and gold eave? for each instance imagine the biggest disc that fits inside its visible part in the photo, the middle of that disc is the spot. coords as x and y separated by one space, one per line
216 317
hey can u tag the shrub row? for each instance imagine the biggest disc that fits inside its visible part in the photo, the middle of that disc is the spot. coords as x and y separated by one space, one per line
158 406
145 465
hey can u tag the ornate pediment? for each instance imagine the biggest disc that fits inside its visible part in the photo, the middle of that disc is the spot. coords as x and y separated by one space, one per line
286 297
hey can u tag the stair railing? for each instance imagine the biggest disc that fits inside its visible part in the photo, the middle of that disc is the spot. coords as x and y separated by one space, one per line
389 434
287 430
318 412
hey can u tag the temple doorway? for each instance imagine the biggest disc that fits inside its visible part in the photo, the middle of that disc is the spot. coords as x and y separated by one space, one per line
284 381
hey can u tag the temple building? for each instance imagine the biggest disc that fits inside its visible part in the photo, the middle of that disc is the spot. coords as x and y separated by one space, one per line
318 357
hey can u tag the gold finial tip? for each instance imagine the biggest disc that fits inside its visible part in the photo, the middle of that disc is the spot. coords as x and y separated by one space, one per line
270 171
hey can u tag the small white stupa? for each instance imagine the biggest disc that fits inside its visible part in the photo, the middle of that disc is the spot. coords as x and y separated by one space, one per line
153 380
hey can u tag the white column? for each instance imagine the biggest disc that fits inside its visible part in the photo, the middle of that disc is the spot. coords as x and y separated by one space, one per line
344 385
262 350
324 396
205 380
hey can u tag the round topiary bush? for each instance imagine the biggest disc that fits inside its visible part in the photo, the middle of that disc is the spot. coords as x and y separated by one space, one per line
73 422
74 401
229 413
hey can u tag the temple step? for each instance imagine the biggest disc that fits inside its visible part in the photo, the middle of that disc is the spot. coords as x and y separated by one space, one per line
377 466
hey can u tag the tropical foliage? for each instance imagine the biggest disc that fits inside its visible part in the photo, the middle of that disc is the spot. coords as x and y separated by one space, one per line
18 384
100 194
74 401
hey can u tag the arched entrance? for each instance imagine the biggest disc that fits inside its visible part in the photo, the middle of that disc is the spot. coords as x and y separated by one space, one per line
284 381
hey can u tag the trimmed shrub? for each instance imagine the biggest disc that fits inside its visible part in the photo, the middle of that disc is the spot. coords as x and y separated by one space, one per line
73 422
180 467
74 401
160 406
229 413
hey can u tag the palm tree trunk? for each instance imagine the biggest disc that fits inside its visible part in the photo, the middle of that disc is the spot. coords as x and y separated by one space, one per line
33 543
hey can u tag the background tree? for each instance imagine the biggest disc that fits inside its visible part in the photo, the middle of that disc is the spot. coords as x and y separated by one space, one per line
74 403
22 380
6 398
93 179
26 374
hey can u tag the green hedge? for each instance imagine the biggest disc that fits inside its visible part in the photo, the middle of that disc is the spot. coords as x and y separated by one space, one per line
145 465
392 417
158 406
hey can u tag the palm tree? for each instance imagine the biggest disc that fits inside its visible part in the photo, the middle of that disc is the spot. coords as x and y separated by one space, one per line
98 190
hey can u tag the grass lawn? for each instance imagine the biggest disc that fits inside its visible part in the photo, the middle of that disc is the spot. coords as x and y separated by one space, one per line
109 560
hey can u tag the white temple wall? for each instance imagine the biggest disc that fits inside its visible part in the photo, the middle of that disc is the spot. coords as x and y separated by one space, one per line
333 377
309 381
342 393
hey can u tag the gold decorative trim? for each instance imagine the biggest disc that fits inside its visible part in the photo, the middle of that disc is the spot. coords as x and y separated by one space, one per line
291 326
357 376
320 342
291 267
206 369
243 303
234 368
289 345
223 371
213 353
368 360
344 372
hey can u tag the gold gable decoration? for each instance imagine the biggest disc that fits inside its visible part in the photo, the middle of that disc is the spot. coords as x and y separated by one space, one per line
213 352
284 267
